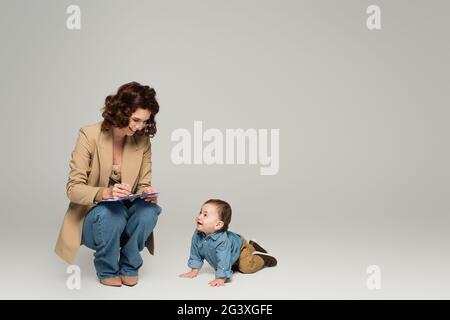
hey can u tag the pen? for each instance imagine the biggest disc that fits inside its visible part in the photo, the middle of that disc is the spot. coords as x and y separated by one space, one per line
116 181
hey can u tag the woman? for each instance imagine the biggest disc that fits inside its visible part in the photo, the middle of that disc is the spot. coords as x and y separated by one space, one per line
112 159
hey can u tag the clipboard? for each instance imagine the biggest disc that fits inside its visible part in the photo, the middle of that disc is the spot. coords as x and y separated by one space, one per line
131 197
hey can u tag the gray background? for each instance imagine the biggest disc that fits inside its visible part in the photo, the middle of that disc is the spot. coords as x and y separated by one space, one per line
363 118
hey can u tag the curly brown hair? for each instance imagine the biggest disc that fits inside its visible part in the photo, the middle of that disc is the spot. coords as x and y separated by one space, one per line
120 106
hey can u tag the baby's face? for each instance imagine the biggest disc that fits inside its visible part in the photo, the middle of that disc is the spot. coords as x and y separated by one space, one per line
208 220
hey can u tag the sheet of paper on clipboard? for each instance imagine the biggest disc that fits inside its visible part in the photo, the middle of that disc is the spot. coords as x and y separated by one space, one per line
131 197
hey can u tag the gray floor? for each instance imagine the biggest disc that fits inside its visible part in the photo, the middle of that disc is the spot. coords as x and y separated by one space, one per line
309 268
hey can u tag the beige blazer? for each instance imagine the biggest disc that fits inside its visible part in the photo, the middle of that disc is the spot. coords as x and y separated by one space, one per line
90 169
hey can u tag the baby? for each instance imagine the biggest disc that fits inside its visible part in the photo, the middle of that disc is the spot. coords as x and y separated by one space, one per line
224 250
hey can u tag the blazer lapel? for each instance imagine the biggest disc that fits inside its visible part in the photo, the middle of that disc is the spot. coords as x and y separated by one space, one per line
105 156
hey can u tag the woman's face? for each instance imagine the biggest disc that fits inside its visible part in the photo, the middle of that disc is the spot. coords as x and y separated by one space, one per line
138 120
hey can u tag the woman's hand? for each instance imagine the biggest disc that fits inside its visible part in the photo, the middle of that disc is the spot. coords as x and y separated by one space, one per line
152 199
119 190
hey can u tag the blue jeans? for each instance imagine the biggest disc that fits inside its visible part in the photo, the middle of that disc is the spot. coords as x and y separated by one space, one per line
106 228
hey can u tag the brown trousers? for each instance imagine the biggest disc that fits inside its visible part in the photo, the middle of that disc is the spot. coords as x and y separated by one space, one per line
247 262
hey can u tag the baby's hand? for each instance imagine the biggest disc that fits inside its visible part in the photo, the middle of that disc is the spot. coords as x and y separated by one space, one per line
217 282
191 274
